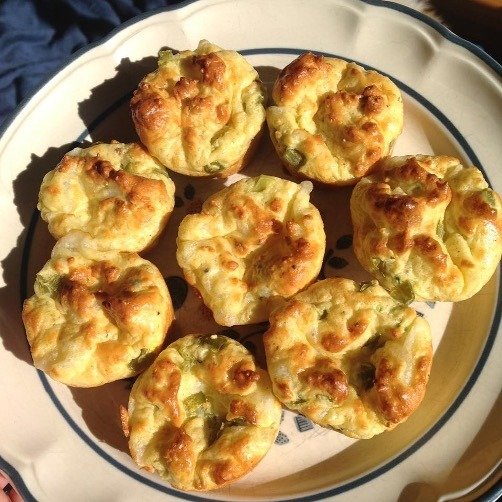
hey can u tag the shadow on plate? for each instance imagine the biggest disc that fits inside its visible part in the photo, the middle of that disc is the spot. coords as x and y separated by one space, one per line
16 264
106 111
268 75
101 405
101 411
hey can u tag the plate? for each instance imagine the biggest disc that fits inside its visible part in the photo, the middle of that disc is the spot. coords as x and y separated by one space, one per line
60 443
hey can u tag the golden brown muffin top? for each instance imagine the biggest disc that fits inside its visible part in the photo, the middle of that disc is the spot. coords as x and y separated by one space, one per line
115 192
200 110
203 414
349 357
253 243
332 120
427 227
96 316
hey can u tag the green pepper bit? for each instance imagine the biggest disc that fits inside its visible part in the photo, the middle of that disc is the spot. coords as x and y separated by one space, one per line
143 360
165 57
196 404
214 342
213 167
403 292
488 197
48 284
365 285
294 157
440 229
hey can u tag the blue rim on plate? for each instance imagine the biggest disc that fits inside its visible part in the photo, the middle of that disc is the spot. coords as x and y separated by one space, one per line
11 471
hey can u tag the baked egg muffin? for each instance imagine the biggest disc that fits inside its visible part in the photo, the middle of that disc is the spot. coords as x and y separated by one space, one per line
427 228
203 414
96 316
201 112
253 244
116 192
332 119
349 357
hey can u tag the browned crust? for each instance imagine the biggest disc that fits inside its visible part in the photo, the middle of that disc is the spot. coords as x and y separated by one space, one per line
99 304
202 440
304 70
143 200
187 102
356 120
212 69
333 381
429 221
395 401
148 110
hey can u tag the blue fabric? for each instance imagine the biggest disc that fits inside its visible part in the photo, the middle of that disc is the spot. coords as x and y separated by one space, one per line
37 36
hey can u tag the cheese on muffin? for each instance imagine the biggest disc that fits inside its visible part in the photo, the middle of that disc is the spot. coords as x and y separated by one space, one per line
254 243
115 192
427 228
200 113
203 414
349 357
96 316
332 119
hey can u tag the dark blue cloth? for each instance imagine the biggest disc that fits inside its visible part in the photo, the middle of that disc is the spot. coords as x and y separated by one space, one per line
37 36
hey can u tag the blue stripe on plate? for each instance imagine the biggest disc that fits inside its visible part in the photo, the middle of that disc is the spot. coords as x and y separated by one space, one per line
439 115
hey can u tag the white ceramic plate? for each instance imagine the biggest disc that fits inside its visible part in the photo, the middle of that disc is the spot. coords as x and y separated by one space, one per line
59 443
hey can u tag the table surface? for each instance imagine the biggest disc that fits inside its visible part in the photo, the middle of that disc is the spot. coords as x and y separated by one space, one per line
479 21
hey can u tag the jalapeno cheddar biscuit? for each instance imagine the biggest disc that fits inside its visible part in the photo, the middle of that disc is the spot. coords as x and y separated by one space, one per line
200 113
332 120
427 228
115 192
254 243
203 414
96 316
349 357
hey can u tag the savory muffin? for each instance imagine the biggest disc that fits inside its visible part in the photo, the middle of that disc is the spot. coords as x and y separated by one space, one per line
332 119
427 228
203 414
96 316
254 243
200 113
115 192
349 357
